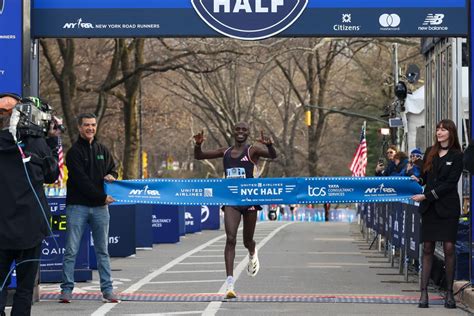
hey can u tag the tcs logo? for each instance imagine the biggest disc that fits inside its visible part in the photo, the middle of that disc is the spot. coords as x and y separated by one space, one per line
249 19
316 191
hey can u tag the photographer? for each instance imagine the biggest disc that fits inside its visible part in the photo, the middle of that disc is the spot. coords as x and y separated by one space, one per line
385 171
24 167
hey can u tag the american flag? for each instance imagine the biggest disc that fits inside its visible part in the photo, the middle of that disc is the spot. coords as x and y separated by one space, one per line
60 163
359 162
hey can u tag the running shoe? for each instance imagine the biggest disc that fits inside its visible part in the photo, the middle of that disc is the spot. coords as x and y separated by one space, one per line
229 292
65 297
254 265
110 297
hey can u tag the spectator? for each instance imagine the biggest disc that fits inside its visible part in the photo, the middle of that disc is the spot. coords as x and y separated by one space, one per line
401 161
415 164
384 171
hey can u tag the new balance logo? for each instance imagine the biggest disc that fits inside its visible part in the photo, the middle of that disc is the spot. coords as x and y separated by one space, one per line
244 158
434 19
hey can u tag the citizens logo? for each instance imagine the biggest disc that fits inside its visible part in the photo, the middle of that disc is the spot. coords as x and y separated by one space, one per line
433 22
2 6
389 22
346 21
78 25
249 20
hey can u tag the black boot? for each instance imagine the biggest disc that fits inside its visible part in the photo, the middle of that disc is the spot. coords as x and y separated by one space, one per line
423 302
449 301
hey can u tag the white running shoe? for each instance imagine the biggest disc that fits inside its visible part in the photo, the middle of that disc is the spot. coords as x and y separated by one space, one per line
229 292
254 265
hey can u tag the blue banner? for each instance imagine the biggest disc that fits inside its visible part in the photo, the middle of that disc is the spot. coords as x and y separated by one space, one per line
112 4
312 22
263 191
11 26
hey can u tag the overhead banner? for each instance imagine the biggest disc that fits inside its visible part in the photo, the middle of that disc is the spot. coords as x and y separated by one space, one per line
263 191
248 19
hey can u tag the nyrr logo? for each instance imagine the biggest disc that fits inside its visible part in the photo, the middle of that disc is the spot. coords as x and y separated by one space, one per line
2 6
249 19
380 189
145 191
77 25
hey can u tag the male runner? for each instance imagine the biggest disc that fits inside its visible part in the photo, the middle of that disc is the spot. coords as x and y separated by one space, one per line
240 161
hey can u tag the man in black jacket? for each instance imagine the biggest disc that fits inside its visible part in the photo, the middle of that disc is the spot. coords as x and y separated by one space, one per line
24 168
89 164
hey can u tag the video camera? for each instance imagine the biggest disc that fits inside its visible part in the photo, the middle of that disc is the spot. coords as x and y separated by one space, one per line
36 117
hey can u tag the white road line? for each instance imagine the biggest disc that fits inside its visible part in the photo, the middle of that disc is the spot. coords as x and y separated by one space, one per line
104 309
188 281
221 250
213 307
195 271
214 256
165 314
192 263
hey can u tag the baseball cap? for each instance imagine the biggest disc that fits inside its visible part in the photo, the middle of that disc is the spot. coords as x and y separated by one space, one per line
416 152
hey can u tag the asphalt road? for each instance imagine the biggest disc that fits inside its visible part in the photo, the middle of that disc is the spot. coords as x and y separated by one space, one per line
323 262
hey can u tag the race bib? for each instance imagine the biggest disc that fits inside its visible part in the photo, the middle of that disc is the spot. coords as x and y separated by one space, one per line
235 173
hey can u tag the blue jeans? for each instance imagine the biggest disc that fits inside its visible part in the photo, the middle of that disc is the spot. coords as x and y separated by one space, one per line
78 216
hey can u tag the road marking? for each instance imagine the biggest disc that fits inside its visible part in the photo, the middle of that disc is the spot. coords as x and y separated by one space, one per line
104 309
333 239
221 250
213 307
333 253
188 281
165 314
192 263
195 271
316 264
213 256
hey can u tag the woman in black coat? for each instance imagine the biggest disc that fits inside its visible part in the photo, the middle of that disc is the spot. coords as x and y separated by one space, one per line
440 205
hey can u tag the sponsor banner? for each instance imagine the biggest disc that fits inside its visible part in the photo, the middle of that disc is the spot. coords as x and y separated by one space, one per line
396 222
11 29
210 218
122 228
412 232
167 22
53 247
165 224
192 219
111 4
262 191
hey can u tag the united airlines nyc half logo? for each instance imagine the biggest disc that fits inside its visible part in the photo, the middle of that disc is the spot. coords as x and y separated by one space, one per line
249 19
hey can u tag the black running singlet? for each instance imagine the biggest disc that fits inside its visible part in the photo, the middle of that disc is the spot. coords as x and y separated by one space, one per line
240 167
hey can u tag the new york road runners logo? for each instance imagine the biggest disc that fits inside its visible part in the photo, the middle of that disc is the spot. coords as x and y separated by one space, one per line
249 19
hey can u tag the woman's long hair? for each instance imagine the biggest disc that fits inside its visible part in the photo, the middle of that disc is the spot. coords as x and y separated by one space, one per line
453 142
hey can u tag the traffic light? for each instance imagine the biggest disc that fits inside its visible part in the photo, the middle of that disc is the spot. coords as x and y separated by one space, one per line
144 164
308 118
